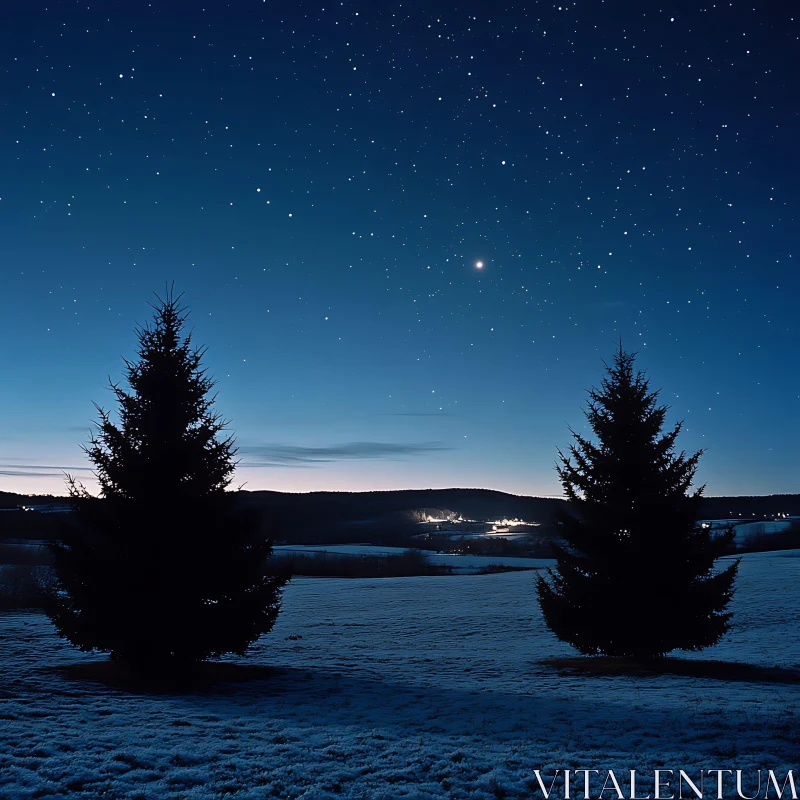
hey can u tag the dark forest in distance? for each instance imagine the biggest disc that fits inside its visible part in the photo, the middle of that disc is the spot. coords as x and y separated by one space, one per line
303 516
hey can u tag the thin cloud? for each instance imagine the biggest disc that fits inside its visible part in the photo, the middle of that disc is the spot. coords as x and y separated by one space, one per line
297 456
38 470
21 473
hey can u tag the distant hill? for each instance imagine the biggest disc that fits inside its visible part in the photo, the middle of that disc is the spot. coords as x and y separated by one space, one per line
13 500
758 506
469 503
371 516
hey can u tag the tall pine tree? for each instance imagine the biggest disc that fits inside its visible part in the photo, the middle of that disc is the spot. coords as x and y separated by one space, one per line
163 569
635 576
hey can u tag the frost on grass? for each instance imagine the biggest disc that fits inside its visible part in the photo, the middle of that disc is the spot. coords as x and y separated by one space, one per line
399 688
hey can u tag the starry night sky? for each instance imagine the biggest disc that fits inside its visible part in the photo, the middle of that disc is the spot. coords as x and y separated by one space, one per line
322 179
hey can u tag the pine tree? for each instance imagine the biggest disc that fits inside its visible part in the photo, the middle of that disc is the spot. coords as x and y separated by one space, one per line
635 574
163 569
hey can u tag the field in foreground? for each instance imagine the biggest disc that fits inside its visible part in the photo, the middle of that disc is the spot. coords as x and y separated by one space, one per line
400 688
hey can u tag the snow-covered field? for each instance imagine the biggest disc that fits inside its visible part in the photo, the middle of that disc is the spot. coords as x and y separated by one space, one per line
436 687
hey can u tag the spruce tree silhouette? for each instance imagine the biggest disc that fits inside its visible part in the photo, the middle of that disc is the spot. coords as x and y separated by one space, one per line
635 575
163 569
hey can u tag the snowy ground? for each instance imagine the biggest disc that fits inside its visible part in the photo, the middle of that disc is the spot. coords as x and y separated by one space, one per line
434 687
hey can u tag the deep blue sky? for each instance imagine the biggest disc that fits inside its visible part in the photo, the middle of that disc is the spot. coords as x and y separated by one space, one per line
321 178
